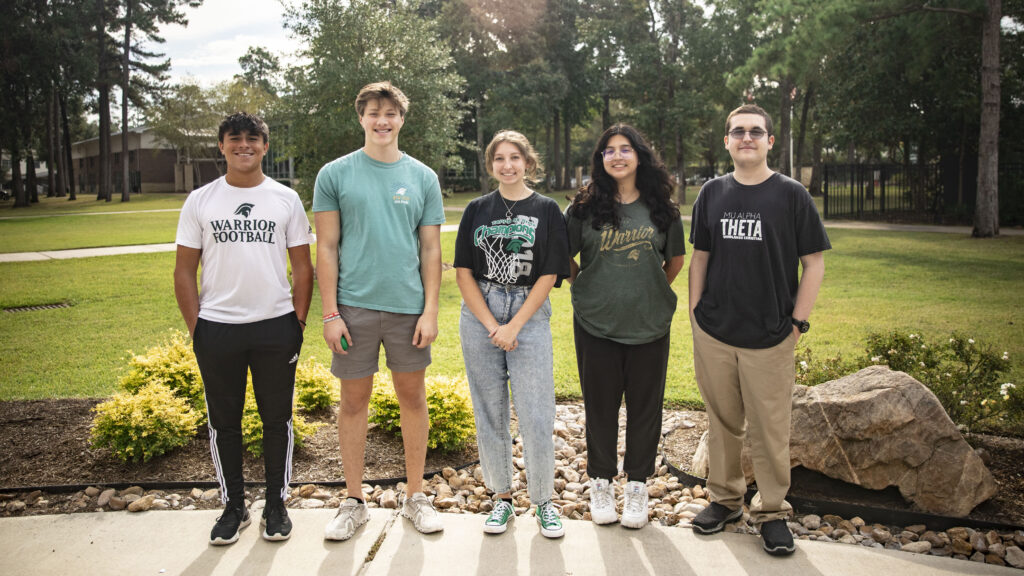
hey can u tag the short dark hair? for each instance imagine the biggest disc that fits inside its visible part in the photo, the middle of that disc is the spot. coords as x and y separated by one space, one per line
750 109
382 91
243 122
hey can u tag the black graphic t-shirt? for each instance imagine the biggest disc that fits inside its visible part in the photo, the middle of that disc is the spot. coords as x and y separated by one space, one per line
755 236
621 292
517 250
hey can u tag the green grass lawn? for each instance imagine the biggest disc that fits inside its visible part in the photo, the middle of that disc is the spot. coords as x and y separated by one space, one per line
875 281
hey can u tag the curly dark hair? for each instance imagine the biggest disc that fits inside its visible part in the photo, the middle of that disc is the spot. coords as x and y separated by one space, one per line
597 200
243 122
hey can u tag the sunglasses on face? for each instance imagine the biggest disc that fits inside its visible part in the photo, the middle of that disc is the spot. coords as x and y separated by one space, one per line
609 153
755 134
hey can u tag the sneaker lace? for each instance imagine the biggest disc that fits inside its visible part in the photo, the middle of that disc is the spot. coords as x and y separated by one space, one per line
237 511
275 512
635 501
600 497
423 507
500 509
548 513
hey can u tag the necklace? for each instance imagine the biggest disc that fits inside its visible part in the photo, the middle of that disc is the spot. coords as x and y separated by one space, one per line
508 209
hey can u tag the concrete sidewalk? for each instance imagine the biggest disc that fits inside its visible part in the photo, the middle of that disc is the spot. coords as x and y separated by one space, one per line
112 543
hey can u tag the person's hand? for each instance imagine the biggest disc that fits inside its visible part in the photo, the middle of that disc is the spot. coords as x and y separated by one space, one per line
505 337
796 332
333 332
426 331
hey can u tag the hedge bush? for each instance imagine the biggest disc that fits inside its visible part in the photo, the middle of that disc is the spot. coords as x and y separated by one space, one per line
148 423
315 387
172 364
448 402
252 426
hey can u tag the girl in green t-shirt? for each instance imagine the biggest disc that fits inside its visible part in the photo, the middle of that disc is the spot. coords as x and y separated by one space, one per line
625 227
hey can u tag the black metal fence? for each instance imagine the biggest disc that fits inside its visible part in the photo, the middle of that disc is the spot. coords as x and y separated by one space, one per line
859 191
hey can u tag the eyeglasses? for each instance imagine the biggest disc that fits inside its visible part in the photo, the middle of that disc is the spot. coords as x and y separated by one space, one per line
755 134
609 153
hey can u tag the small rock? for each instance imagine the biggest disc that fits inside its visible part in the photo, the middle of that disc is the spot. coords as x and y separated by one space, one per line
978 557
388 499
16 506
132 490
908 536
961 547
131 498
999 549
570 496
994 559
307 490
443 491
978 542
958 533
917 529
33 496
92 491
142 503
919 547
160 504
657 490
811 521
857 521
196 493
117 503
321 494
943 551
210 494
992 537
698 491
1015 556
309 503
832 520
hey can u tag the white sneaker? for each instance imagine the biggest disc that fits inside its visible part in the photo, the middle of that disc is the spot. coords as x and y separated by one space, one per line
634 507
602 501
418 509
351 515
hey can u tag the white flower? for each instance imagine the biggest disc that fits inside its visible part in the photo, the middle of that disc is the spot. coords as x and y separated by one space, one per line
803 364
951 340
922 364
912 336
892 351
1004 389
1007 397
876 358
923 346
1006 356
970 340
963 402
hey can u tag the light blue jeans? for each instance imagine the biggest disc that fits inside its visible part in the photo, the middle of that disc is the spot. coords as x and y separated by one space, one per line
530 369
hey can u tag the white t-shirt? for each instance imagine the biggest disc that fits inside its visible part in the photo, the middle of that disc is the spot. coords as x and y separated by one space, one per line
244 234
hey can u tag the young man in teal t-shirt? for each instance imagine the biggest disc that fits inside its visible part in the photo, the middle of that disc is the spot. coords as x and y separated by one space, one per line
378 222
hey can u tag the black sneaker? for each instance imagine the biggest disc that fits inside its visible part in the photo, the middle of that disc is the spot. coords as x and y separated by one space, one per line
275 522
714 518
229 524
776 538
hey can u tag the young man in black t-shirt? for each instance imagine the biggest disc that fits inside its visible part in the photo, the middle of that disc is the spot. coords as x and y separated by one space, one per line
751 231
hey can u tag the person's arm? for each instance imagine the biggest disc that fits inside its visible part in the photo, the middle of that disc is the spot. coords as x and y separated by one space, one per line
673 266
810 282
505 337
574 270
186 291
328 233
474 299
302 280
430 274
698 275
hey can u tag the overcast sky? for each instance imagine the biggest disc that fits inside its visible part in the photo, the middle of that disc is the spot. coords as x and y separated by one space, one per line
218 33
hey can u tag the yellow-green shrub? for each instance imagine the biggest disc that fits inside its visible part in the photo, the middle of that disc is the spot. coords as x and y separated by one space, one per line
172 364
252 426
139 426
315 387
449 404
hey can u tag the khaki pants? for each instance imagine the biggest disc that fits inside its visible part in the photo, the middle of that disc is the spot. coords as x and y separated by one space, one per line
747 391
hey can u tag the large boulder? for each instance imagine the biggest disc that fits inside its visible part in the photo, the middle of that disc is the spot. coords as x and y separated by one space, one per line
879 428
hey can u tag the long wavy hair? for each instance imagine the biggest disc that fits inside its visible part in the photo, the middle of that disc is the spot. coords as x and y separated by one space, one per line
597 200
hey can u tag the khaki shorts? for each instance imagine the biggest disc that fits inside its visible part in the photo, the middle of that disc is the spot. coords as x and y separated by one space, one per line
370 329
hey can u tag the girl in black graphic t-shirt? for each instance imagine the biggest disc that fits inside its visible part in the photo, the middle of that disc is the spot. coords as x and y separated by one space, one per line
510 251
628 234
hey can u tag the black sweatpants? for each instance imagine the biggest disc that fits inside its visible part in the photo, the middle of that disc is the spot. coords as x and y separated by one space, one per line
608 370
225 353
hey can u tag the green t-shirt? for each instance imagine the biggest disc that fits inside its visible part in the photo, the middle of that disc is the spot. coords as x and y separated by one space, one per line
381 207
621 292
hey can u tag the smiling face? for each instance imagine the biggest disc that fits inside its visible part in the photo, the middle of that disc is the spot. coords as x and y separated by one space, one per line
619 158
746 151
509 165
243 151
381 122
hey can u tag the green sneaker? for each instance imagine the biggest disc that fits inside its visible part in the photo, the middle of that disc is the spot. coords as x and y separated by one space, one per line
500 517
550 523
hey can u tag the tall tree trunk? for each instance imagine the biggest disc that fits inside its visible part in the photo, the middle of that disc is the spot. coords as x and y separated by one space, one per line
103 87
798 165
547 146
69 166
31 181
481 161
567 144
680 169
51 145
782 133
556 165
125 78
816 163
986 209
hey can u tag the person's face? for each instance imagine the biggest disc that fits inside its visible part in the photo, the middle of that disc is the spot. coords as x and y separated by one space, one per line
619 158
509 164
745 149
381 121
243 151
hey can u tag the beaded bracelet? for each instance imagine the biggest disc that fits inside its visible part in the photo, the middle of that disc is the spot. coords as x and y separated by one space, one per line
331 316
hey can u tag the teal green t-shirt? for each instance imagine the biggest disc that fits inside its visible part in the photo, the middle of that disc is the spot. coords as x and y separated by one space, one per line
381 207
621 292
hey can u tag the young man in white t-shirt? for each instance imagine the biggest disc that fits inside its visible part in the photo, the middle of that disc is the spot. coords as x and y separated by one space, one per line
378 218
244 228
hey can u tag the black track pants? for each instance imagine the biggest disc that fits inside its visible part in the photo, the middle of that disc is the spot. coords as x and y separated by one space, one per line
608 371
226 352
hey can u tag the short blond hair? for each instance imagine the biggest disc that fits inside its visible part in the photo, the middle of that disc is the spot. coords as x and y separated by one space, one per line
382 91
534 169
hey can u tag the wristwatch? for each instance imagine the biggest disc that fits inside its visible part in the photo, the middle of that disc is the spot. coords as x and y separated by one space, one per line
802 325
